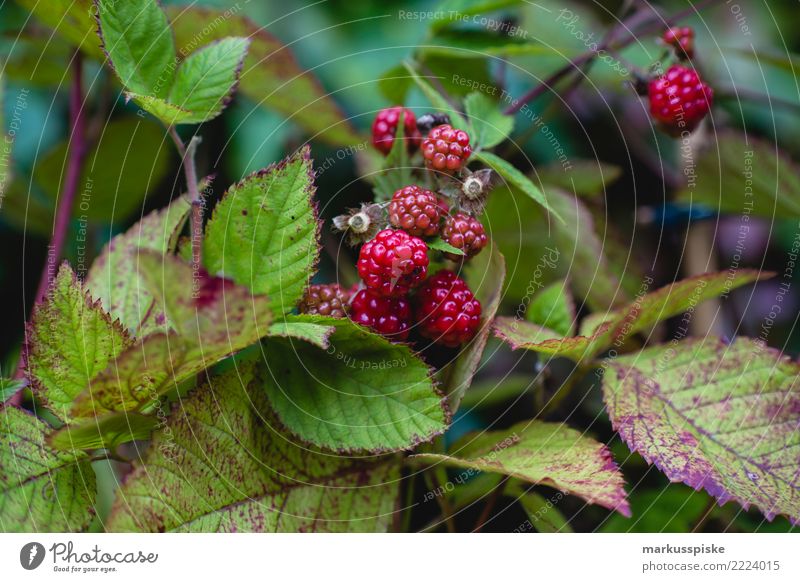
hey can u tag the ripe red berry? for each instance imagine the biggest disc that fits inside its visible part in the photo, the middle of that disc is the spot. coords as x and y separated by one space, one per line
446 311
388 316
682 39
464 232
393 262
415 210
679 100
446 149
384 128
329 300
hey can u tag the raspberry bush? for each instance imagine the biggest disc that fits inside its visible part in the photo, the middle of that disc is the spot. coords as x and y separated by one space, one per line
463 286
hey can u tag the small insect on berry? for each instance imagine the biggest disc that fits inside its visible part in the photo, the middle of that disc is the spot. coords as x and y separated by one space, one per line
415 210
446 149
466 233
393 263
681 38
446 311
322 299
384 129
388 316
679 100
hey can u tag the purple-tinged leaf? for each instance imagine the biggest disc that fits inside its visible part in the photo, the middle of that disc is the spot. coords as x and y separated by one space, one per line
716 416
543 453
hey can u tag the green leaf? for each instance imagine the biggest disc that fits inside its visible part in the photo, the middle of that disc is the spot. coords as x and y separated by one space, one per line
139 44
239 472
516 179
206 79
361 393
670 509
587 178
396 171
436 99
9 387
489 126
263 233
466 43
714 416
72 19
271 76
41 489
484 275
620 324
314 333
115 277
103 432
450 11
745 176
129 160
553 307
542 453
168 113
438 244
69 341
544 517
214 318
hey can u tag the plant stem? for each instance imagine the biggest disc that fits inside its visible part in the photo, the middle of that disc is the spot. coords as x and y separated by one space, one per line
187 154
66 199
77 150
444 504
490 503
628 38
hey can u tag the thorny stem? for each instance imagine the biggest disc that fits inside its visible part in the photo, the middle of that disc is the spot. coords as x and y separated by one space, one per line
187 154
628 38
77 151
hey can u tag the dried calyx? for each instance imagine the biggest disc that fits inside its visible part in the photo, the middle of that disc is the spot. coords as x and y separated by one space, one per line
361 224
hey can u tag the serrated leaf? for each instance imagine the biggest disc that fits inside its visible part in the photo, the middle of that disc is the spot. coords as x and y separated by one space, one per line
361 393
72 19
206 79
741 173
514 178
215 319
622 323
263 233
168 113
718 417
297 328
69 341
103 432
438 244
588 178
115 277
484 275
40 489
489 126
436 99
129 159
240 472
396 171
139 44
271 75
554 308
543 453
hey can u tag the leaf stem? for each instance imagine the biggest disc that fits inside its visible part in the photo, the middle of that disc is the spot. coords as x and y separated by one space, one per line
187 153
490 503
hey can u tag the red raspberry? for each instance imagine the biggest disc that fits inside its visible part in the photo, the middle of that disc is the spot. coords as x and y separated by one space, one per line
329 300
679 100
384 129
682 39
393 262
415 210
464 232
446 311
388 316
446 149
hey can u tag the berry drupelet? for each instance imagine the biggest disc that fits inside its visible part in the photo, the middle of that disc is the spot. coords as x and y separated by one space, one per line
415 210
446 149
384 129
466 233
679 100
388 316
393 263
446 311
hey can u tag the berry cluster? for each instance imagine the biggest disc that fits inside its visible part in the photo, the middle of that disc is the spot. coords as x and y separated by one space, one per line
396 295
